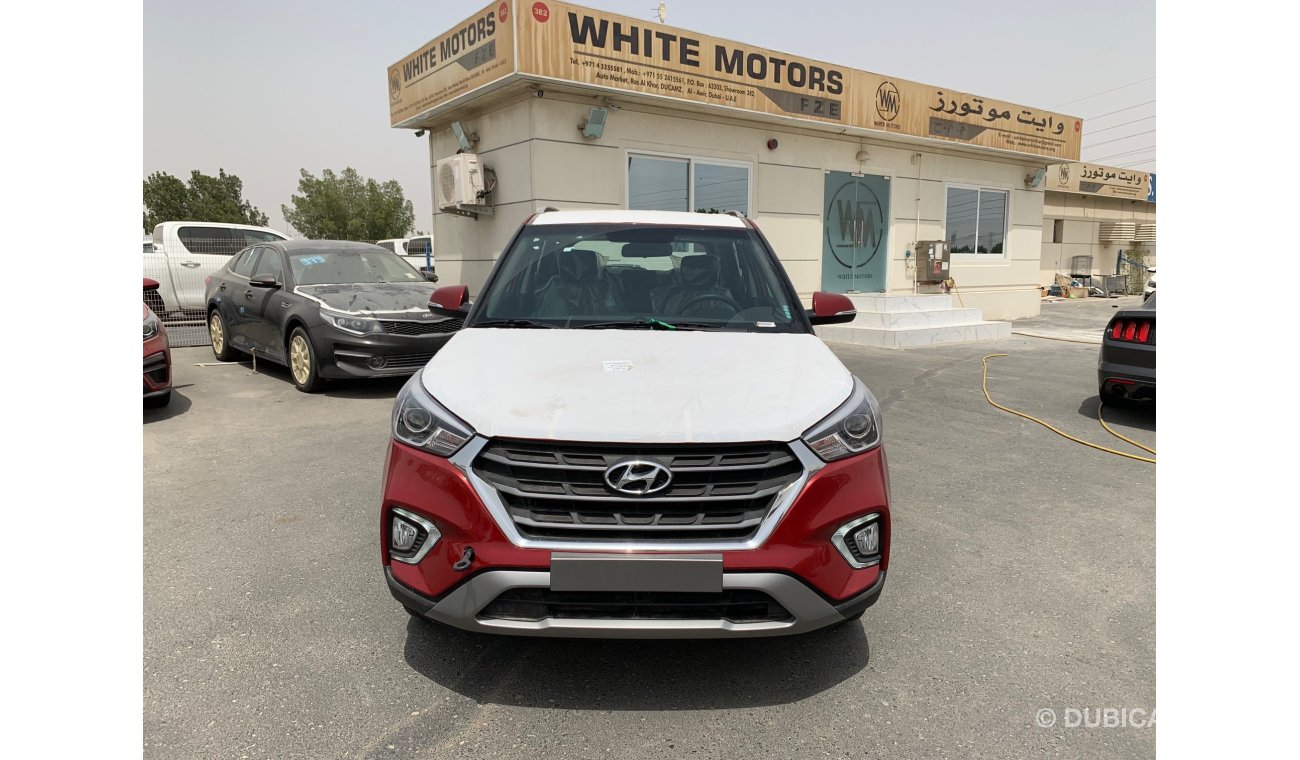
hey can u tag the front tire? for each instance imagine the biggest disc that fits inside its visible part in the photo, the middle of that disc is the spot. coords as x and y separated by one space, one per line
220 338
303 366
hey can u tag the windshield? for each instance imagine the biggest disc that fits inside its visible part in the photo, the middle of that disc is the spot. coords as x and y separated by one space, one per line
622 276
333 267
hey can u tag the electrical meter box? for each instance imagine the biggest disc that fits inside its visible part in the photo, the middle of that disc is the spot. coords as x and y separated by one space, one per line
932 260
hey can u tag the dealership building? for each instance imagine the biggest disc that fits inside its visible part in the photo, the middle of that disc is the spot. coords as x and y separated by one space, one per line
863 183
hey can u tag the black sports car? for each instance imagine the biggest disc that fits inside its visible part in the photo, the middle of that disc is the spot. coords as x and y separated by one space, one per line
325 309
1126 369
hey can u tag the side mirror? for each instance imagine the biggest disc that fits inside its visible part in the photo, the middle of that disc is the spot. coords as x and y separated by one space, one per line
150 284
450 301
831 309
264 281
429 275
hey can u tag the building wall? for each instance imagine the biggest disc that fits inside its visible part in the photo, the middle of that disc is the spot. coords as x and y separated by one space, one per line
1082 216
540 158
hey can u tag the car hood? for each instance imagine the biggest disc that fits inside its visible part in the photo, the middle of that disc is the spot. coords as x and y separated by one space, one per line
637 386
371 298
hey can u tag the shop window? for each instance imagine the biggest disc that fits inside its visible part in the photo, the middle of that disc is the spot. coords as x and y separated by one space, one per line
1058 230
660 183
976 220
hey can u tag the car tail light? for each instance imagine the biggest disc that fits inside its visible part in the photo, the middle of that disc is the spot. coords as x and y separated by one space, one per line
1131 330
207 280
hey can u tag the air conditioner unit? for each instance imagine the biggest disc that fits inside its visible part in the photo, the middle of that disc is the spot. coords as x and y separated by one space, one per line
459 181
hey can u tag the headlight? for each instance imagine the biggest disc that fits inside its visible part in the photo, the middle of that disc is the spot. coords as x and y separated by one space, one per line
851 429
349 324
421 422
150 326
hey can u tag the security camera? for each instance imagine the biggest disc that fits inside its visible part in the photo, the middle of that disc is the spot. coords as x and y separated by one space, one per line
538 93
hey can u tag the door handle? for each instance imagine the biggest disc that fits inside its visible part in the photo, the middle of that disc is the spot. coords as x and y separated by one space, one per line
248 294
190 264
222 286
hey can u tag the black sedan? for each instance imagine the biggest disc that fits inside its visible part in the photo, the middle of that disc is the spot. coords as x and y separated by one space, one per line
325 309
1126 370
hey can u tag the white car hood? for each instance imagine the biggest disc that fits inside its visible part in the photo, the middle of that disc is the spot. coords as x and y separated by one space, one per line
637 386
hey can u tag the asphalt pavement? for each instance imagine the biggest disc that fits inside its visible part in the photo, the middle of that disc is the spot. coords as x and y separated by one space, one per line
1022 580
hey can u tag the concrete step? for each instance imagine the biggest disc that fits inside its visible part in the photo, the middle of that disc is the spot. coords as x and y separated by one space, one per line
902 320
879 302
914 336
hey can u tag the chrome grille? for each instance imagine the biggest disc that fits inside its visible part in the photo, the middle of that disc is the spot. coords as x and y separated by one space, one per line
409 327
558 490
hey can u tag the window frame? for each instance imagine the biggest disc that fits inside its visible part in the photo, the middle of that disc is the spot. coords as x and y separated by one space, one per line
974 256
691 160
1058 231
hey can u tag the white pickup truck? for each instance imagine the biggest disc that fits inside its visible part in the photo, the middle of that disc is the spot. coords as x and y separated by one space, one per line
185 253
417 251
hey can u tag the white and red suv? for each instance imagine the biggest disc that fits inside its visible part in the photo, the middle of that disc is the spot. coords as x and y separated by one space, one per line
636 434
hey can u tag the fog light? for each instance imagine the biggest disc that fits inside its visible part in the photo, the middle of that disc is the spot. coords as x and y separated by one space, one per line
410 537
858 541
867 540
404 535
376 362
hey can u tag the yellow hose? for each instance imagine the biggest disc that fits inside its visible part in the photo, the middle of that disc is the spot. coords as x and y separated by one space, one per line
985 385
1117 435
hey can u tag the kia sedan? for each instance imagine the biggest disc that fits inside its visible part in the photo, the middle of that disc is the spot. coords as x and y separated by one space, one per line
325 309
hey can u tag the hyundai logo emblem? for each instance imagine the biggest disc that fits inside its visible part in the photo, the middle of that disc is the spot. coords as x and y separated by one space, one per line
638 477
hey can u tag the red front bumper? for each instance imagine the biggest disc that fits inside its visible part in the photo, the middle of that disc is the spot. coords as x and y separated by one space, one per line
157 364
800 545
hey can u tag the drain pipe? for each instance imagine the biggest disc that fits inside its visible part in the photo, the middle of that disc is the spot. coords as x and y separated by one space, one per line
916 233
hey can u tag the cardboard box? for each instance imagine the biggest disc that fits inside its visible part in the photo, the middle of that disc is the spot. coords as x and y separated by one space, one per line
1078 292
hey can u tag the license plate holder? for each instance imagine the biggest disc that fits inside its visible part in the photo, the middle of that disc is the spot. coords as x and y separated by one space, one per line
699 573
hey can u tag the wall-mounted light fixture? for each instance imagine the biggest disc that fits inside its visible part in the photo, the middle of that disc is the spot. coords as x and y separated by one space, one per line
862 156
1035 179
466 141
419 133
594 126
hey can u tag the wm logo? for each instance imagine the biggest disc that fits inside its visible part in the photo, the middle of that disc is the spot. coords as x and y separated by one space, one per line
887 101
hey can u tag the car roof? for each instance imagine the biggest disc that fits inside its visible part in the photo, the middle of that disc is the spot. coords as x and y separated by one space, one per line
334 246
624 216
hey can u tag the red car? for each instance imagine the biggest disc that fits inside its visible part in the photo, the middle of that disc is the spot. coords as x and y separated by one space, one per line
157 357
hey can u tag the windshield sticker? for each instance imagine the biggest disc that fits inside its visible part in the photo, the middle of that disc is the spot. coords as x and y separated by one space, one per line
618 365
309 260
785 310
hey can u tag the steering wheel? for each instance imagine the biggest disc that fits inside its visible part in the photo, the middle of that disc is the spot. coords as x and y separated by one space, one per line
684 306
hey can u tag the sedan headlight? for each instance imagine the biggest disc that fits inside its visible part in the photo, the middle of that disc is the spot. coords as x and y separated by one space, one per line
151 326
421 422
350 324
851 429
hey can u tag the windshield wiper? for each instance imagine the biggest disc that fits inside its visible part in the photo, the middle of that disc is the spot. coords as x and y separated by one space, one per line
643 323
650 323
512 323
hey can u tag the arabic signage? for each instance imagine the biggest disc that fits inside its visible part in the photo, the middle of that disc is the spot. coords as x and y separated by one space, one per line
478 51
619 53
1106 181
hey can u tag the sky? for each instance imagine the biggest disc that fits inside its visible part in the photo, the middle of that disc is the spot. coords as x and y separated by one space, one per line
265 89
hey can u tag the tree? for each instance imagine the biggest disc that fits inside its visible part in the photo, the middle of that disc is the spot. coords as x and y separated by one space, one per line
204 199
347 206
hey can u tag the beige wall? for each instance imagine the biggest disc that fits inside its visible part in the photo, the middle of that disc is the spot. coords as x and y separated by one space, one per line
1082 216
541 159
